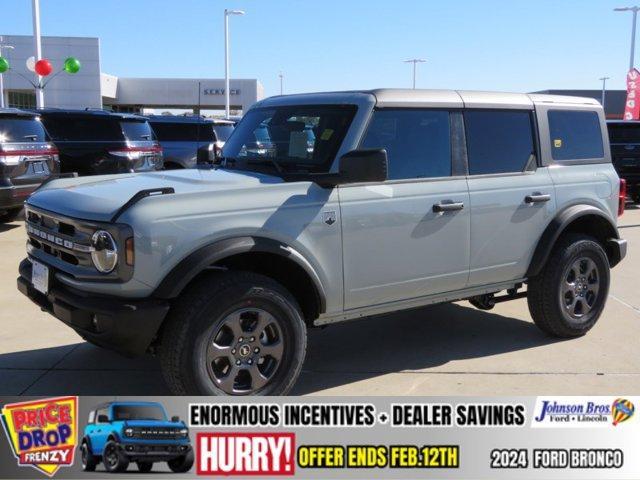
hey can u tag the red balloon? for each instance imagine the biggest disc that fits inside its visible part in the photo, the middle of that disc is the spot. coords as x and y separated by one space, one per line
43 67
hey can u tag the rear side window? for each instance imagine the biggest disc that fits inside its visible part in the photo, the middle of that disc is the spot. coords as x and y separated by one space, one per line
176 132
82 128
208 133
14 129
223 131
499 141
575 135
418 142
136 131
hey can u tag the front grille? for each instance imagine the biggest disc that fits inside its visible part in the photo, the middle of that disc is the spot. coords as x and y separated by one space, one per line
153 433
65 244
59 237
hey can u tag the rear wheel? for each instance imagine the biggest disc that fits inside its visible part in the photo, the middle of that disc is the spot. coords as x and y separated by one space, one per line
568 296
89 461
233 333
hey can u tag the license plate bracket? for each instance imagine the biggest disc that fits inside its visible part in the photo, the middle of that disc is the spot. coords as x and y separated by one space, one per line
40 277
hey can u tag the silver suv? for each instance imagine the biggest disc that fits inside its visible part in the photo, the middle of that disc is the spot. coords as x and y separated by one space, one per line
405 198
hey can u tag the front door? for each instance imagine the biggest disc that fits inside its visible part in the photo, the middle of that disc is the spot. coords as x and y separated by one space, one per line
407 237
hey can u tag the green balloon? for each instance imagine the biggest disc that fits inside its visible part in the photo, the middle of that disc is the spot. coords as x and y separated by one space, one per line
4 65
72 65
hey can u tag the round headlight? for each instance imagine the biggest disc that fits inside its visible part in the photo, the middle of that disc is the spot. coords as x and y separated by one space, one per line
184 432
129 432
105 253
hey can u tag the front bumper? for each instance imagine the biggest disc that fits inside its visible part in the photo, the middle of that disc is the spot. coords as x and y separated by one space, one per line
14 197
125 325
154 452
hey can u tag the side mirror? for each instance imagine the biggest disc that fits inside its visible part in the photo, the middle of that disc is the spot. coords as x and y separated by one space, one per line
103 419
365 165
175 419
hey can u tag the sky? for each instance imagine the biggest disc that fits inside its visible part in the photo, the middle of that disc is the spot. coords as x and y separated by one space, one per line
321 45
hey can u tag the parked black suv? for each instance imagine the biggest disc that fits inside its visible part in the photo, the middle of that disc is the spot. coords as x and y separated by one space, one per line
95 142
624 137
189 140
27 158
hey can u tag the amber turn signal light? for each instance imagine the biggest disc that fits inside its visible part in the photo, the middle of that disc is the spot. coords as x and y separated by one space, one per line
129 255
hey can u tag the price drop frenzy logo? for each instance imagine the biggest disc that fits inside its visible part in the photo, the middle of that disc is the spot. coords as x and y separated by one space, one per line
42 433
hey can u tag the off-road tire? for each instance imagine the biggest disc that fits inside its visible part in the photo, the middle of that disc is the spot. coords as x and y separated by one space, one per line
203 307
10 215
544 298
122 462
181 464
89 461
145 467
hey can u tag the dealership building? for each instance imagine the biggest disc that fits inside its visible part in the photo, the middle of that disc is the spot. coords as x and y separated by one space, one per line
91 88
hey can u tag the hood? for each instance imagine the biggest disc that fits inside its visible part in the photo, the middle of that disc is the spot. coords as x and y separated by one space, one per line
99 198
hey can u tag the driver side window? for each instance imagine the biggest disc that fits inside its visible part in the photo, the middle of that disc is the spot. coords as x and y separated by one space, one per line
417 141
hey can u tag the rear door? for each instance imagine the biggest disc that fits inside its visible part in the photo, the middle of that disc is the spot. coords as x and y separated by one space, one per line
512 197
100 432
407 237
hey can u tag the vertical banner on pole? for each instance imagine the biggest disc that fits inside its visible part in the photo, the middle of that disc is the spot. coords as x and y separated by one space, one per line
632 105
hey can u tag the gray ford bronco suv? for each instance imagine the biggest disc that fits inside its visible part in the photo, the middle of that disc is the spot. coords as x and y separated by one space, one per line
406 198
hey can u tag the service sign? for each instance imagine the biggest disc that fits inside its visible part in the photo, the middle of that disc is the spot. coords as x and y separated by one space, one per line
43 433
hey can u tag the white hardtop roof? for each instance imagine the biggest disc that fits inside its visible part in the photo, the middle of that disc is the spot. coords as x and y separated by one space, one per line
398 97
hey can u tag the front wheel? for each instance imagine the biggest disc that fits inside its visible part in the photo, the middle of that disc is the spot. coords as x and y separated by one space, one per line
145 467
113 459
233 333
568 296
181 464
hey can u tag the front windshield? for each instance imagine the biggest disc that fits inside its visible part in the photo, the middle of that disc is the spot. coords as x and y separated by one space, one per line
138 412
289 138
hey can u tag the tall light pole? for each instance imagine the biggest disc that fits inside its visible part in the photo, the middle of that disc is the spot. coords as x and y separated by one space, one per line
633 9
415 61
6 47
38 47
604 90
281 77
227 99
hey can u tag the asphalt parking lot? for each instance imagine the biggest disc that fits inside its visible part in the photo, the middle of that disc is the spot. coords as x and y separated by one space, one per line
447 349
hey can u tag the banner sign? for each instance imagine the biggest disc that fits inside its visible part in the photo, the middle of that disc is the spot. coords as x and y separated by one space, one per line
632 105
395 438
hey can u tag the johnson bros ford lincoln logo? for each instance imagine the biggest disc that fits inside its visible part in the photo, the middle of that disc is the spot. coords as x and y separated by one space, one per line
575 412
42 433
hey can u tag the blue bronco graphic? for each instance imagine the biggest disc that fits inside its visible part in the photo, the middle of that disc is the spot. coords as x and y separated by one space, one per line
119 433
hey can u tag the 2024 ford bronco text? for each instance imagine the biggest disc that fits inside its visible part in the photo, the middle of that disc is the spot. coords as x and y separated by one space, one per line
405 198
119 433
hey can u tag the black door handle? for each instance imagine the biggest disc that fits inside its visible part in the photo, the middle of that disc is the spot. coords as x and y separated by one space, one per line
447 207
537 198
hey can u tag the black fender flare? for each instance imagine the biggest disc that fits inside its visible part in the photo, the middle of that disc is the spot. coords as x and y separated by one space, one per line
86 439
558 225
196 262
